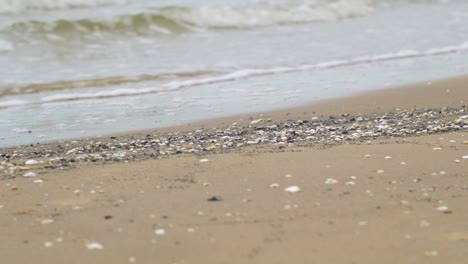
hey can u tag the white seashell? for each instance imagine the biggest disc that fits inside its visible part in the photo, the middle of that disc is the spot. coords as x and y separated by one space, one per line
31 162
30 174
442 208
465 157
388 157
160 232
38 181
94 246
293 189
47 221
331 181
256 121
274 185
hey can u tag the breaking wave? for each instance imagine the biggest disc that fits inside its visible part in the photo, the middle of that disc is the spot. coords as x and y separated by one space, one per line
173 19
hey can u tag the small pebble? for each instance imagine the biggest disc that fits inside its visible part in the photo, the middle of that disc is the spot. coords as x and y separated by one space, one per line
274 185
38 181
215 199
380 171
388 157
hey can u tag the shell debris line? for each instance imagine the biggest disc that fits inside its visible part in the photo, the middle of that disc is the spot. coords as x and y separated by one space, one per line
334 130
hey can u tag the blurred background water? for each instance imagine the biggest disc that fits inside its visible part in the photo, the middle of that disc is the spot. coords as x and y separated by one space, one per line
77 68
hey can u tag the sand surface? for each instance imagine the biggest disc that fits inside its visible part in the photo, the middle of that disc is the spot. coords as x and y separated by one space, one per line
393 200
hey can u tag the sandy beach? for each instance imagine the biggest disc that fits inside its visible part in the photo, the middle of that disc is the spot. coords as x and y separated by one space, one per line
379 177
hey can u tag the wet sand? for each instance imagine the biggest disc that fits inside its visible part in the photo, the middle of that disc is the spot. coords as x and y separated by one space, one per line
386 199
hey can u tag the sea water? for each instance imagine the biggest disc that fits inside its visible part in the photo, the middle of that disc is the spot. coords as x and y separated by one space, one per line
79 68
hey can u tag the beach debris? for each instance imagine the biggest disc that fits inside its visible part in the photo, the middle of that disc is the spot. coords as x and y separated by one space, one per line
31 162
457 161
204 160
30 174
94 246
288 176
330 181
256 121
403 163
47 221
388 157
465 157
436 148
380 171
465 142
293 189
160 232
215 199
274 185
14 188
463 117
350 183
367 156
38 181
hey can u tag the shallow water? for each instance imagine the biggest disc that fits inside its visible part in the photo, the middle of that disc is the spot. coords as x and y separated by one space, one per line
75 68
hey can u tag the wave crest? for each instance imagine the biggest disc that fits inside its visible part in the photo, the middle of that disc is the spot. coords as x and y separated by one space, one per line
173 19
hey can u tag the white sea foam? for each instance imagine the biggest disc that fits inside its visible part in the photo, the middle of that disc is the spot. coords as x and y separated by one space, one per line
6 45
239 74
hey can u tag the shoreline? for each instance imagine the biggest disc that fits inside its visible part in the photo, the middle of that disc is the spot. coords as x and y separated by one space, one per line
443 93
363 183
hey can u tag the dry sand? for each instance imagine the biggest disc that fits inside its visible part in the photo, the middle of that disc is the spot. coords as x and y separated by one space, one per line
390 201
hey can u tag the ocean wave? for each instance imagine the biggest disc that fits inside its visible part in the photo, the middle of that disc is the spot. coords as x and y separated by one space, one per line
181 18
19 6
235 75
